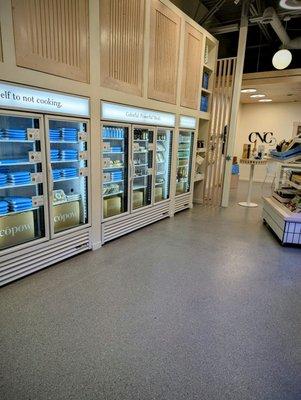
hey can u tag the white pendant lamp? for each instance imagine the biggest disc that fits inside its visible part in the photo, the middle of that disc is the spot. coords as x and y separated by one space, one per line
282 59
290 4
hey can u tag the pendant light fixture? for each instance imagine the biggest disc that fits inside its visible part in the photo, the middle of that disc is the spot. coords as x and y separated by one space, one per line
282 59
290 4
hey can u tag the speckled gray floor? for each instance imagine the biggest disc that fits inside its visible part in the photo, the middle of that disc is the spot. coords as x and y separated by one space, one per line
204 306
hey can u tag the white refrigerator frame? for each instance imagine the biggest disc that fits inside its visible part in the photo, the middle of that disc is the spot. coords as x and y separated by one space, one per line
49 117
193 156
40 118
121 125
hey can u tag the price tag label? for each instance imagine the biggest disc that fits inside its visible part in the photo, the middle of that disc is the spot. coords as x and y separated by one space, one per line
38 201
83 172
34 157
83 155
33 134
37 177
83 136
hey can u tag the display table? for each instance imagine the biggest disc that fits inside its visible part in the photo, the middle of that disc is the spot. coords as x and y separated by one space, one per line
252 164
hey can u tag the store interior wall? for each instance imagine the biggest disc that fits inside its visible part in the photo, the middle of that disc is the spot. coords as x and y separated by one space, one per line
278 118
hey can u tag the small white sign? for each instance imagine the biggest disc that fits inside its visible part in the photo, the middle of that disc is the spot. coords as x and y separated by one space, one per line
187 122
20 97
122 113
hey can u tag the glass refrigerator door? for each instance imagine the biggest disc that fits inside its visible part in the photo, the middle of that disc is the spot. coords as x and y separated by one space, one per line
184 162
142 167
115 141
163 164
68 154
22 178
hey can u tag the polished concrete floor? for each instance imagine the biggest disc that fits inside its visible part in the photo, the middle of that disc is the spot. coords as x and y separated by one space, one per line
203 306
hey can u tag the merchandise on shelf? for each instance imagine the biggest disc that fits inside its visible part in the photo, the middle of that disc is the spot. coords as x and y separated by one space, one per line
205 83
3 179
112 133
204 103
13 134
63 134
18 203
3 207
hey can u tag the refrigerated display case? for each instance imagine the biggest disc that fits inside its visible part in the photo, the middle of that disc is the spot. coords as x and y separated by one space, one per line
22 180
44 179
115 167
67 141
163 164
184 162
142 167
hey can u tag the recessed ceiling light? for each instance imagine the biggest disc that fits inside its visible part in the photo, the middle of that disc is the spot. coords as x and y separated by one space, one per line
265 100
290 4
248 90
257 96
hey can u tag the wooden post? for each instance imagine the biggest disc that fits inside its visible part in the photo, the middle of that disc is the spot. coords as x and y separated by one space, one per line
243 31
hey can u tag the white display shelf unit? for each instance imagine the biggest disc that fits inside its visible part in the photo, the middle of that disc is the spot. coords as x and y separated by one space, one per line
282 221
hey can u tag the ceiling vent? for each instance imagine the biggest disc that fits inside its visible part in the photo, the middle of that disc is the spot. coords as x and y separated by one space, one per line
270 17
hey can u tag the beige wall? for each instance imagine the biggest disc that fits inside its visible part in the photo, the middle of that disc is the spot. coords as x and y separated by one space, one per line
276 117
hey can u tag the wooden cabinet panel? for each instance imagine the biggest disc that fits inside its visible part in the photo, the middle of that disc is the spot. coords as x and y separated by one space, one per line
121 44
52 36
1 51
164 53
191 67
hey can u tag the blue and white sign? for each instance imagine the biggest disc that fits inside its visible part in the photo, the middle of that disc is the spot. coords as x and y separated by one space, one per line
187 122
128 114
21 97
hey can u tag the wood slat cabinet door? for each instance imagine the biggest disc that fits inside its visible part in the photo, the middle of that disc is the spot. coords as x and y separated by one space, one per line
164 53
121 44
52 36
192 64
1 50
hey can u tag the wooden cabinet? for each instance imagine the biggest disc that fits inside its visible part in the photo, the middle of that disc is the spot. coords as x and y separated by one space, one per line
1 51
121 44
164 53
192 64
52 36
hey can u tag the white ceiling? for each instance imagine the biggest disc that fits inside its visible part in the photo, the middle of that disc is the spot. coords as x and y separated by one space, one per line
280 86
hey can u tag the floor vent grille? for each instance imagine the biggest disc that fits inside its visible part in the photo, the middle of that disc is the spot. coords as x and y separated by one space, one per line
43 255
121 226
182 202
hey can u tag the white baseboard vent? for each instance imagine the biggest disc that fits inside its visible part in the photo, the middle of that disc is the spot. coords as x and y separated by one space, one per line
43 255
182 202
123 225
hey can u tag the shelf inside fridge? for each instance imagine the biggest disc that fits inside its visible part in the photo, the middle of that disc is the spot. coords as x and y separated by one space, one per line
139 187
108 168
113 194
112 152
19 212
105 139
110 182
139 176
11 186
17 141
65 141
66 179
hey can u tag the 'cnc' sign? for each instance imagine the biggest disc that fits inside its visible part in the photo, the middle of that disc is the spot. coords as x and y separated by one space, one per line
264 137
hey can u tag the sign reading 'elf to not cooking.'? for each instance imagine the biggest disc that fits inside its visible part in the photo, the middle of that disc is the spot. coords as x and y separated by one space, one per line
21 97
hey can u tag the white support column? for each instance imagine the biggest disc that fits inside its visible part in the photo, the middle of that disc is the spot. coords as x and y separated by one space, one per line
243 31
